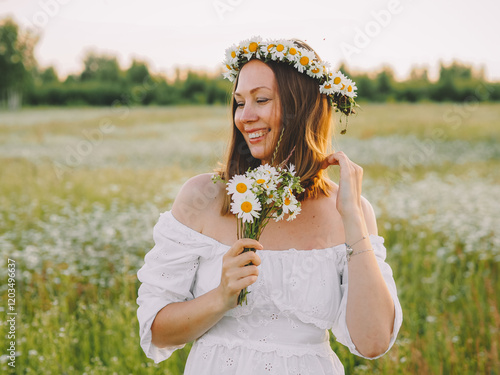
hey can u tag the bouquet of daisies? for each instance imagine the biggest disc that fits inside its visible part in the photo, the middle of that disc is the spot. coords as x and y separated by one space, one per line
262 194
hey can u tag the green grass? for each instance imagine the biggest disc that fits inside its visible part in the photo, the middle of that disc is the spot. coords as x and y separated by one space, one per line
79 238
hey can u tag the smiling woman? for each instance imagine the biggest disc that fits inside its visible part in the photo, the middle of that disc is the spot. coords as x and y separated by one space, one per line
290 107
282 106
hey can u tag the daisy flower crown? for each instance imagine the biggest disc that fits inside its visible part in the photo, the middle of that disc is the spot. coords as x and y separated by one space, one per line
339 89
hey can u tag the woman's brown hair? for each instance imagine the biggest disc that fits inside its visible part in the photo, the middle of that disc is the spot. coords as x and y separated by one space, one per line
307 120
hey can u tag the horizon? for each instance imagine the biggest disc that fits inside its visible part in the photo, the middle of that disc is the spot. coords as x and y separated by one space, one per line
384 33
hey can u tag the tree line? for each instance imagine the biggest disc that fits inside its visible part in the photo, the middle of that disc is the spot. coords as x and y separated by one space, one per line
103 82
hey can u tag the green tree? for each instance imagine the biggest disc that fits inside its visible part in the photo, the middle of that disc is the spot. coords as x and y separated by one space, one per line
100 68
138 72
16 62
49 75
385 81
194 88
455 71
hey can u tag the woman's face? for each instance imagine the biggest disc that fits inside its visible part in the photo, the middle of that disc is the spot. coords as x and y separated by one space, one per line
258 111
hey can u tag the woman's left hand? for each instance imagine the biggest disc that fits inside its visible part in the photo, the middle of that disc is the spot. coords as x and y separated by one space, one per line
349 192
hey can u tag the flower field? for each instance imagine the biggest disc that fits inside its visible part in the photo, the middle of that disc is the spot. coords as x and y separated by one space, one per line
81 190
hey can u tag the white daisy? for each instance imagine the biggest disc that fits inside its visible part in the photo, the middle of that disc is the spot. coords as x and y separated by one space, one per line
260 181
290 204
291 169
294 214
315 70
278 217
279 52
337 77
230 75
268 47
262 178
327 88
304 60
265 177
339 80
232 54
271 196
350 89
250 47
246 207
266 168
326 67
293 54
239 185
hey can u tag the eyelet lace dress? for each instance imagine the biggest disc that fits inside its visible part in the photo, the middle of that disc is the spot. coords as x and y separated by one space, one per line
284 329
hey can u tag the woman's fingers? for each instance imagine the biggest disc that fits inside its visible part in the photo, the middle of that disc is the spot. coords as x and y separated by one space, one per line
350 181
243 283
239 269
239 245
341 159
337 158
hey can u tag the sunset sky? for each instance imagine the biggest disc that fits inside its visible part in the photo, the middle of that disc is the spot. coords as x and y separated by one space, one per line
366 34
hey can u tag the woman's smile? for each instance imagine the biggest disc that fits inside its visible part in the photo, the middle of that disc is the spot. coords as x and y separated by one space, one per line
257 135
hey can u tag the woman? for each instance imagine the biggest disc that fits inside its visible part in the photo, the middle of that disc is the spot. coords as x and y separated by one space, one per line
324 270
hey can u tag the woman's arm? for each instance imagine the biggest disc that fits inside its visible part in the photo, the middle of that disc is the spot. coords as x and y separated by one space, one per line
370 308
182 322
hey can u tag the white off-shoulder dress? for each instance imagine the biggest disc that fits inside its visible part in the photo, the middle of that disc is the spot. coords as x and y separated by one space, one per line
284 329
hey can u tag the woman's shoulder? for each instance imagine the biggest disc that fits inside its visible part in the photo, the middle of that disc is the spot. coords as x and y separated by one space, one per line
196 197
369 214
366 206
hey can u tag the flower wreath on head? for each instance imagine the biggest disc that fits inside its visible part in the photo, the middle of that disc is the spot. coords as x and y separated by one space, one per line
339 89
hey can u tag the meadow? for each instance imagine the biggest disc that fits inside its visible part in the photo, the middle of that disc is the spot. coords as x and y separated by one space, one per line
81 189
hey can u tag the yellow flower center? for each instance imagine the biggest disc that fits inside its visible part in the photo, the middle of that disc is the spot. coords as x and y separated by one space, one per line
343 86
228 66
246 207
269 47
336 80
292 51
241 188
315 70
304 60
233 54
280 47
271 196
349 88
260 181
287 201
329 86
253 47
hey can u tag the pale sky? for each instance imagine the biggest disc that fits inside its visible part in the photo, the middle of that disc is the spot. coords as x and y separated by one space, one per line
366 34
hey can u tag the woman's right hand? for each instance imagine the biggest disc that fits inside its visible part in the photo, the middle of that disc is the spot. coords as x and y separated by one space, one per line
236 275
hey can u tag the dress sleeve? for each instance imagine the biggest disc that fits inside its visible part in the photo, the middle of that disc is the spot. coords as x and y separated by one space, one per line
339 328
167 276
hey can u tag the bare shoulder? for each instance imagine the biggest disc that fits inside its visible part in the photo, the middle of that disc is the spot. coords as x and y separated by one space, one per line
196 197
369 214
